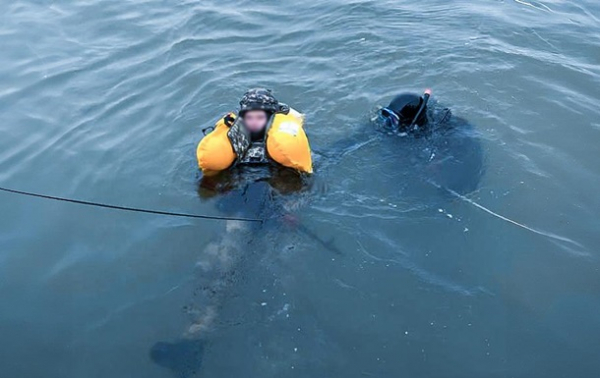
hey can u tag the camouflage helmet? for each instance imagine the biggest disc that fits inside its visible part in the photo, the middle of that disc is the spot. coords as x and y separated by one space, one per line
259 99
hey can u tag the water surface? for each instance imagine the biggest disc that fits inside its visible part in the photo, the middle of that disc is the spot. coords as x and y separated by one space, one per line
105 101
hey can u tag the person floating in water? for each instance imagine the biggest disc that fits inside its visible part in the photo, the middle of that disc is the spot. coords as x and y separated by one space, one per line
407 113
264 131
243 159
424 142
454 153
264 141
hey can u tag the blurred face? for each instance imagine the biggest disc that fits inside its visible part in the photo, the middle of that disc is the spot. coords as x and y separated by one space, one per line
255 120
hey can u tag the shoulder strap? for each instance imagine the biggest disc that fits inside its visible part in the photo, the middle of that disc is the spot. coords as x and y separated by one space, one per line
239 138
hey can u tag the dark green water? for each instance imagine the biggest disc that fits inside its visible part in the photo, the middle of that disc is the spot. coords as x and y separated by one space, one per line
105 101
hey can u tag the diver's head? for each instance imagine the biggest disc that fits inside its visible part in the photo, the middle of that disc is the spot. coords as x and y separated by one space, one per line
256 106
403 109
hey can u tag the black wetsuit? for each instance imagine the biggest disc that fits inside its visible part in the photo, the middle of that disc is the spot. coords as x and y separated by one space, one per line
456 161
446 151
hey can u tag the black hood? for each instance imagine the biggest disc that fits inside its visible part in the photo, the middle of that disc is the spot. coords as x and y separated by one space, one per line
406 106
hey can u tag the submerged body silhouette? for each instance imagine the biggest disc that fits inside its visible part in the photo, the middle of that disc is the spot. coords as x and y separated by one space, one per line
446 153
457 160
451 156
267 193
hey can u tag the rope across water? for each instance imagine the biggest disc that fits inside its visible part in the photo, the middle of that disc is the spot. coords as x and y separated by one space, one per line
131 209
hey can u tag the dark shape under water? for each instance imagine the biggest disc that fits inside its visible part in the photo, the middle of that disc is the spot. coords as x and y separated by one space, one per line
447 152
183 358
282 180
457 160
261 191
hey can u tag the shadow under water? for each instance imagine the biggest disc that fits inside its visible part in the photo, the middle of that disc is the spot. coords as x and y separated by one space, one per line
269 193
